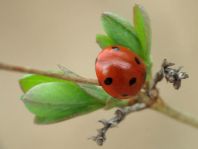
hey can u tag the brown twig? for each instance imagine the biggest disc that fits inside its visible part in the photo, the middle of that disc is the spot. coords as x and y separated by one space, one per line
21 69
171 75
120 114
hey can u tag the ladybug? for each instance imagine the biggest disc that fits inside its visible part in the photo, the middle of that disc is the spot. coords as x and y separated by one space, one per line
120 72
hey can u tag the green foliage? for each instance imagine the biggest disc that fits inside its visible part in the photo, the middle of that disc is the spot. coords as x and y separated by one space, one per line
104 41
56 101
30 80
53 100
120 32
143 30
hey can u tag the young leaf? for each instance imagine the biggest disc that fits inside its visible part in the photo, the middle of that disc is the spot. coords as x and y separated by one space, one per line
55 101
68 72
104 41
34 85
122 32
30 80
99 93
95 91
143 30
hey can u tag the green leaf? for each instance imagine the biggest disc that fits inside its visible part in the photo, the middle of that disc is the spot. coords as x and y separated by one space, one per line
104 41
43 97
122 32
99 93
56 101
143 30
30 80
95 91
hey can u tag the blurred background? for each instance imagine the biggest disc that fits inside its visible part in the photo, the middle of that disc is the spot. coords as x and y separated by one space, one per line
44 33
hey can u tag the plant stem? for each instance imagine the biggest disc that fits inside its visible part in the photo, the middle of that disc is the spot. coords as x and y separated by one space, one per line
21 69
159 105
171 112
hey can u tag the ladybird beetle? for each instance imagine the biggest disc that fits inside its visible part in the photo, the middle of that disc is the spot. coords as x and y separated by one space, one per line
120 72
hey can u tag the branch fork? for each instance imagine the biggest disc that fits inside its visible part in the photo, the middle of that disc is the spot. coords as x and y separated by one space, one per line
171 75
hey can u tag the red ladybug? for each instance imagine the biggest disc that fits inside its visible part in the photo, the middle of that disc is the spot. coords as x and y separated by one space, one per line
120 71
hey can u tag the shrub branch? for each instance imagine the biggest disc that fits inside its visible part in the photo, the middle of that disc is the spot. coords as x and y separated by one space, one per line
21 69
148 98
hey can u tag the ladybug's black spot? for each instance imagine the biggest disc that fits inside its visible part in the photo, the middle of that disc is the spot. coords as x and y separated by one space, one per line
137 61
132 81
108 81
124 95
115 48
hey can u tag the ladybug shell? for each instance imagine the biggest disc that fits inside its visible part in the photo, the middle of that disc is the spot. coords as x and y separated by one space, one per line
120 72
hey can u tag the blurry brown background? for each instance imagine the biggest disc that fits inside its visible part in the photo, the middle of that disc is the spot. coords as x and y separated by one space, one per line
44 33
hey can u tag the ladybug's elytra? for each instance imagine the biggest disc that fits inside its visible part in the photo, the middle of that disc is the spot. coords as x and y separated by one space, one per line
120 71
